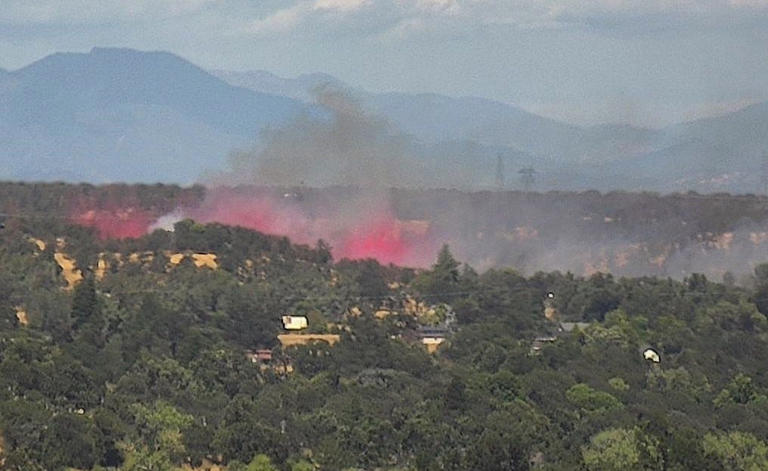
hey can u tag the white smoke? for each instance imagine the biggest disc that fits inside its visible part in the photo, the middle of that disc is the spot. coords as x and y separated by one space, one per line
167 221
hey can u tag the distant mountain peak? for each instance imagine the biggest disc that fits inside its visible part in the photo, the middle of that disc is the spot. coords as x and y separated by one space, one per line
318 76
124 53
124 50
124 114
111 60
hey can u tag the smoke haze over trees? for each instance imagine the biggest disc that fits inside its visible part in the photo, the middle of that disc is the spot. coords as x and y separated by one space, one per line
622 233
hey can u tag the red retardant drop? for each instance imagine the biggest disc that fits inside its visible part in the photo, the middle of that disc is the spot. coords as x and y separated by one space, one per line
354 231
381 240
115 223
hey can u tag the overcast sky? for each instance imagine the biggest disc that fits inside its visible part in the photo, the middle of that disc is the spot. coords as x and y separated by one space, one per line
640 61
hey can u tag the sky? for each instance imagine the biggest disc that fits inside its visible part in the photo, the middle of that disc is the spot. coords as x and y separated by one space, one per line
643 62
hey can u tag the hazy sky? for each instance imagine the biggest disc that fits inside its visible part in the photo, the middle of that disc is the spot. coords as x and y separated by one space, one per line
639 61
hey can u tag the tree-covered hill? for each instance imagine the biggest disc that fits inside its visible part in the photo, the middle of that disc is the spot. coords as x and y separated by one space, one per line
150 362
630 234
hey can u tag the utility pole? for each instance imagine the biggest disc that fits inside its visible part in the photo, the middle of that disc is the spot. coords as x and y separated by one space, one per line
527 177
499 172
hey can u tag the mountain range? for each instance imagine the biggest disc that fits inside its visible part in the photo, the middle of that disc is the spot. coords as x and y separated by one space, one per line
126 115
117 114
722 153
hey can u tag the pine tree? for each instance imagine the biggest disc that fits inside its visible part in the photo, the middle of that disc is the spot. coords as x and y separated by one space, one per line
445 274
443 279
88 320
84 303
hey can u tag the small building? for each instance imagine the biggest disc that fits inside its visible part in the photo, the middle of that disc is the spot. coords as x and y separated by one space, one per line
571 326
432 337
651 355
539 342
263 355
294 322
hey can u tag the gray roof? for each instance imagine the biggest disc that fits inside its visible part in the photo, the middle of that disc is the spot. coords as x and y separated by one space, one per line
570 326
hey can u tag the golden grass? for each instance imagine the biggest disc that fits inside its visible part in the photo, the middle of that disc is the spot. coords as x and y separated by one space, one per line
205 260
39 243
288 340
21 315
68 269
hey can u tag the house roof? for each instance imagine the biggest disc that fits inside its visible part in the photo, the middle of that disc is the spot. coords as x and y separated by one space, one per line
570 326
432 332
294 322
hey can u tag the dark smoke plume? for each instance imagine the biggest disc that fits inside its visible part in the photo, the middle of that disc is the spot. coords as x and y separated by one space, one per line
340 145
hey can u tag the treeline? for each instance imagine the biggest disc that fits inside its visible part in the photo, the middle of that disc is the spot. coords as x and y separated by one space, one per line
632 215
146 368
632 234
60 199
641 216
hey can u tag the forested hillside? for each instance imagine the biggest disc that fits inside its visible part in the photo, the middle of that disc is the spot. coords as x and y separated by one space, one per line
162 352
624 233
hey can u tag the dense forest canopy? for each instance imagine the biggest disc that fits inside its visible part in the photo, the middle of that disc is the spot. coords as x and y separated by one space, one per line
167 351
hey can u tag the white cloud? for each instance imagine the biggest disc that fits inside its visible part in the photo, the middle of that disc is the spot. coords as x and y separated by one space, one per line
395 18
286 19
339 5
749 3
398 18
280 21
94 11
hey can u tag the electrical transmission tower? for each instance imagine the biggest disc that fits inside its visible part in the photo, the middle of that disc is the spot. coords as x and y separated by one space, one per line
499 172
764 174
527 177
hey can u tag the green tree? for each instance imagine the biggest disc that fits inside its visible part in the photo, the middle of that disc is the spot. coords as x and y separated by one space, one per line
740 390
8 319
737 451
142 459
261 462
592 400
370 279
85 307
760 293
302 465
442 279
161 426
621 450
72 441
